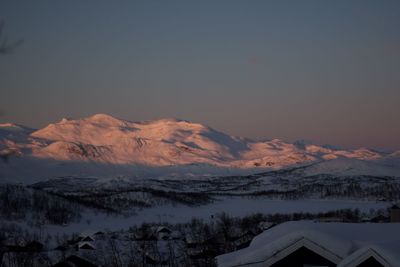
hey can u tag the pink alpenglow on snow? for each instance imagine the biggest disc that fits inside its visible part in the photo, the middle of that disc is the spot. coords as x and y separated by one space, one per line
104 146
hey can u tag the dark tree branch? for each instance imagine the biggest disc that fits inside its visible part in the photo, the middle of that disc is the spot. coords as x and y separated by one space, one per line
7 47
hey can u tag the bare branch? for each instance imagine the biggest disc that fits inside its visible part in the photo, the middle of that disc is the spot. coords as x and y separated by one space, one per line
7 47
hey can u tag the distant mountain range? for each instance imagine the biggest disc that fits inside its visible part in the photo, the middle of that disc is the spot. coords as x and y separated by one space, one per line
104 146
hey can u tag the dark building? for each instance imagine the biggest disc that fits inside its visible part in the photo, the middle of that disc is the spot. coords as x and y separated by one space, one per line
395 213
315 244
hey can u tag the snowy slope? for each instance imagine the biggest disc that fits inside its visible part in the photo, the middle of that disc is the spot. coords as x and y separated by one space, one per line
157 143
104 146
13 138
351 167
392 159
14 133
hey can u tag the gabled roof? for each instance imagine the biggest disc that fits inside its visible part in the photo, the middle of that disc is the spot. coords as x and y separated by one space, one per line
86 245
74 260
163 229
395 207
304 242
34 246
87 239
61 248
334 241
364 254
265 225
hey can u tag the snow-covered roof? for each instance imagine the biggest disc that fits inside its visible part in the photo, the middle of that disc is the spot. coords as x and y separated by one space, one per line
341 243
86 245
363 254
163 229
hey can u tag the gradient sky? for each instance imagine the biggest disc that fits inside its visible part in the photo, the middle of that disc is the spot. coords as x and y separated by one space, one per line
327 71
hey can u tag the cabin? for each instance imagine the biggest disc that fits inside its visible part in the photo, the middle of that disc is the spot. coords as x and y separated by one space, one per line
151 260
74 241
331 219
265 225
233 234
201 252
163 229
86 246
204 248
176 235
163 233
87 239
307 243
61 248
144 236
33 246
74 260
244 240
395 213
155 260
365 219
11 251
191 242
380 219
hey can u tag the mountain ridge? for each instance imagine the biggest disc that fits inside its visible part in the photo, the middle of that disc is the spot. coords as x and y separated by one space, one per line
104 139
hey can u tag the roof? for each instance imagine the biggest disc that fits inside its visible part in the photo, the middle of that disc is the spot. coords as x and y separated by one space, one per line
74 260
87 238
34 246
86 245
363 254
163 229
335 241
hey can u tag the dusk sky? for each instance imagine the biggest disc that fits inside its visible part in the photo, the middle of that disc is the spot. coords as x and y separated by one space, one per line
326 71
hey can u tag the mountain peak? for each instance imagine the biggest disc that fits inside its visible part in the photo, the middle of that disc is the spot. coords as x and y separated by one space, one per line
178 122
102 116
173 120
105 119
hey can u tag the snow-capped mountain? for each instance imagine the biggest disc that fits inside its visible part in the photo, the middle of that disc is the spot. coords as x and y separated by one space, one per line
125 147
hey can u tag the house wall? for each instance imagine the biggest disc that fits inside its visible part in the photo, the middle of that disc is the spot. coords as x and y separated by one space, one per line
370 262
301 257
395 215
